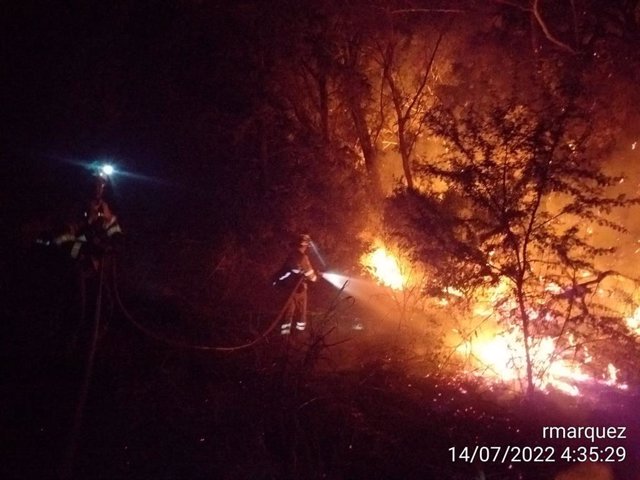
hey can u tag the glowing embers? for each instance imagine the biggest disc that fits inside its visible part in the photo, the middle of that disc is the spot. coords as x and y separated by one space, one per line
385 267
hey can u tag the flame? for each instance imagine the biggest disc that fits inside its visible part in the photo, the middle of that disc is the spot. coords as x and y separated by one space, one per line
498 355
502 359
633 322
385 267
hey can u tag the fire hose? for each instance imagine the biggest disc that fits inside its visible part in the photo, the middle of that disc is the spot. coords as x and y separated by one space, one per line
186 345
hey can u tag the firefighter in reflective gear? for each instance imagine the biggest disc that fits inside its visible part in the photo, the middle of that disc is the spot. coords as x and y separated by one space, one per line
83 246
296 272
96 232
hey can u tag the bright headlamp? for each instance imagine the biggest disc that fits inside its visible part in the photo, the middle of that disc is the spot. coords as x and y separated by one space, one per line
106 170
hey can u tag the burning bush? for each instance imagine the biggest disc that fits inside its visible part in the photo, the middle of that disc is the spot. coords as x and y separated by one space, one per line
510 233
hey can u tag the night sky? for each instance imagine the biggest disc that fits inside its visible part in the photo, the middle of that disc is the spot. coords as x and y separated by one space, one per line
138 83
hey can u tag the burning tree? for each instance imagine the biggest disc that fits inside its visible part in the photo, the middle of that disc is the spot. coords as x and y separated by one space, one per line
510 206
395 269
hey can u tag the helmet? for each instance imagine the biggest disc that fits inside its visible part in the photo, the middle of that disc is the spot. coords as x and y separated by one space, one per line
304 240
100 178
99 185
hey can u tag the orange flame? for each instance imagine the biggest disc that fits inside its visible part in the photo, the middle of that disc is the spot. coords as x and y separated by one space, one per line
503 359
385 267
633 322
500 357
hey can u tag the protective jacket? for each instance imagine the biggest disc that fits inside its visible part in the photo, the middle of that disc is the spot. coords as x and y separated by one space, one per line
297 264
97 232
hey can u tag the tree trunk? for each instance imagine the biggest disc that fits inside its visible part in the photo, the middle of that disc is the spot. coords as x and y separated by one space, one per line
527 341
369 151
405 155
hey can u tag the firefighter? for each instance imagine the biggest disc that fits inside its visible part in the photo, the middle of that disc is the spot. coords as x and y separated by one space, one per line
296 272
76 252
95 233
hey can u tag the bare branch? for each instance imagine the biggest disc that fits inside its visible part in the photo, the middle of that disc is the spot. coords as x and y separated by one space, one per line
547 32
425 78
537 15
